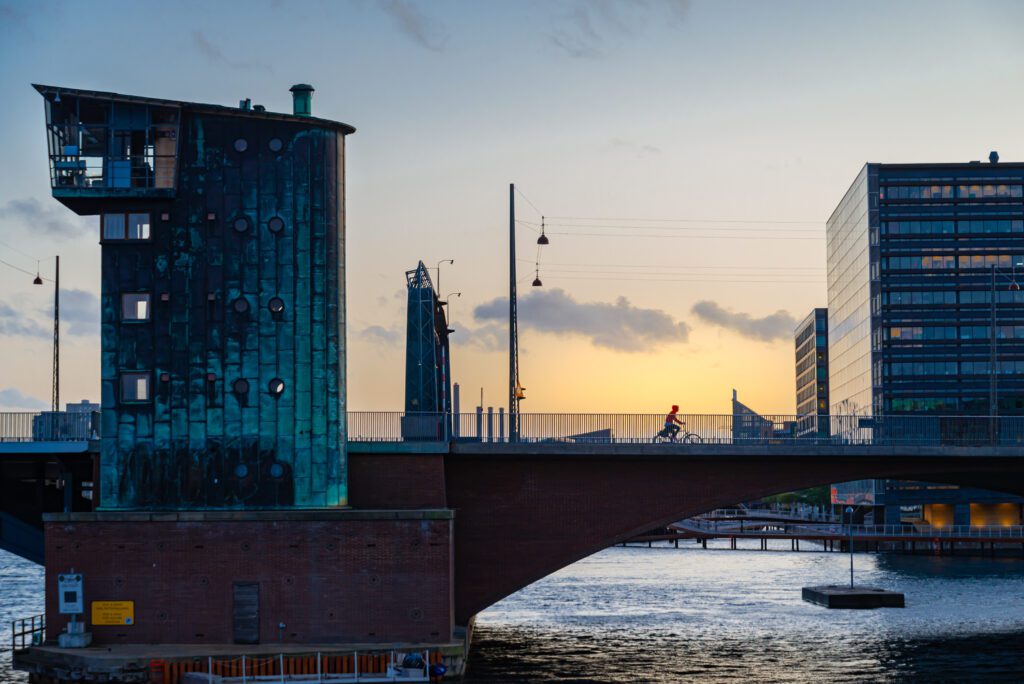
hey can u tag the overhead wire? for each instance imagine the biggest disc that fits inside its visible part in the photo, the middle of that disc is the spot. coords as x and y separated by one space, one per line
18 268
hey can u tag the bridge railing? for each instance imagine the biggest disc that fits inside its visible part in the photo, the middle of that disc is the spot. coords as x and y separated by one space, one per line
639 428
49 426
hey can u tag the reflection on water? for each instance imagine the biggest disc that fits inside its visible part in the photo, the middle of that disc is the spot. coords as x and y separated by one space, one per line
662 614
736 616
21 595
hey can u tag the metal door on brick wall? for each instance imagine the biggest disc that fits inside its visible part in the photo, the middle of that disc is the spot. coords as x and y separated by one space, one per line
246 612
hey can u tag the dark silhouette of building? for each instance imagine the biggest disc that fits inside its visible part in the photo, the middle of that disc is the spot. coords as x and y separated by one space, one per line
223 313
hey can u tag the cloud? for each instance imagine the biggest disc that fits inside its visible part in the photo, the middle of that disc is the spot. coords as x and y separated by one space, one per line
214 54
15 323
79 312
414 24
619 326
590 29
11 397
50 219
776 326
641 150
380 335
488 337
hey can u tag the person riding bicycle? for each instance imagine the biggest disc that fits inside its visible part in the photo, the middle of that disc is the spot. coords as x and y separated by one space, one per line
672 422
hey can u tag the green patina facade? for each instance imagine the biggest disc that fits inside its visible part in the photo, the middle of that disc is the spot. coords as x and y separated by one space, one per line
223 298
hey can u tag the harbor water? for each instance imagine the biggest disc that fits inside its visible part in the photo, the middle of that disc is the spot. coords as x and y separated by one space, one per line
717 615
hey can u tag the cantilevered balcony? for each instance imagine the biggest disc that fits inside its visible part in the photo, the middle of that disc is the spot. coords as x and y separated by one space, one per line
105 146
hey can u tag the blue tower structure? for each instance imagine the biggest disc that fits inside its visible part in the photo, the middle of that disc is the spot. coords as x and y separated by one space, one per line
222 232
427 360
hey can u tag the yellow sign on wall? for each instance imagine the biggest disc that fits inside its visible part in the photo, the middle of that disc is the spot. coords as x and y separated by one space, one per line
113 612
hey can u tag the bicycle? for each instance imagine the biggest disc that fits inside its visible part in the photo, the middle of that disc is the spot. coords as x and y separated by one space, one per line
667 436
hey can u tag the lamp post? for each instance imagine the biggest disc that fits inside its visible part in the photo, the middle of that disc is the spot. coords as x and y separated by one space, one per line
438 269
38 280
448 302
849 529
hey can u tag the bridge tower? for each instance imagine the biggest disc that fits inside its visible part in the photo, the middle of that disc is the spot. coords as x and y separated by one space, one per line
427 359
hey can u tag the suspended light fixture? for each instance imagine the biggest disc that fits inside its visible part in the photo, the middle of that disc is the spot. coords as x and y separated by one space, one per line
543 239
536 279
38 280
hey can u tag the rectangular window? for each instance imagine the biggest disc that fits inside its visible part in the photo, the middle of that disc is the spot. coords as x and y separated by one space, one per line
126 226
113 226
135 387
135 306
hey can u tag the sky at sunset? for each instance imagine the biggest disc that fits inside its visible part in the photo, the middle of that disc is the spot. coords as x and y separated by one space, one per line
685 155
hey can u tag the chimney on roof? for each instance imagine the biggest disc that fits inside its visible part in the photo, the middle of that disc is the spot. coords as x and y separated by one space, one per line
993 157
302 99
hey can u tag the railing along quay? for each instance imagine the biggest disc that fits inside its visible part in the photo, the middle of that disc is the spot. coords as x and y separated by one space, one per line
807 529
638 428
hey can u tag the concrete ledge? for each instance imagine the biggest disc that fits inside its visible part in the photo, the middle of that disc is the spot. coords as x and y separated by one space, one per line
834 596
397 447
345 514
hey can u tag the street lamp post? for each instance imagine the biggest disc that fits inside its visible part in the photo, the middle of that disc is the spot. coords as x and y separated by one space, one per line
55 397
849 529
438 269
448 302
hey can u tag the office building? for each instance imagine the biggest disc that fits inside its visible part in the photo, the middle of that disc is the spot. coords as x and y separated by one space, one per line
924 303
812 407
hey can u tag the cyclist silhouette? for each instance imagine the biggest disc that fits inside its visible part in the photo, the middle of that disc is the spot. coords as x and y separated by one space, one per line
672 422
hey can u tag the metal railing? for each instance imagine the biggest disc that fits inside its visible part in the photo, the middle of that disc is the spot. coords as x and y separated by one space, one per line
637 428
49 426
905 531
601 428
27 632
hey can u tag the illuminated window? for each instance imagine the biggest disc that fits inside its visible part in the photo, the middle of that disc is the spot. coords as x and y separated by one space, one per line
135 306
135 387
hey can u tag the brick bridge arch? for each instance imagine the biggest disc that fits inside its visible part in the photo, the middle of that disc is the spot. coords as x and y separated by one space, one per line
525 513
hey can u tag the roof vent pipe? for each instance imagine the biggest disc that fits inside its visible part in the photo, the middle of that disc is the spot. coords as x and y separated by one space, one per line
302 99
993 157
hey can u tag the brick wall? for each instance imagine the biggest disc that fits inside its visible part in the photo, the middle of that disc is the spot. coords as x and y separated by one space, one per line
384 577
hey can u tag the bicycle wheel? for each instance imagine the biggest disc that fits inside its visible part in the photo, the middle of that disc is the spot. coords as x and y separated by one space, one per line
691 438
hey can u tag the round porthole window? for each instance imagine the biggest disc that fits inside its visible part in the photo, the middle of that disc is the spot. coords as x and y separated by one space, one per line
275 145
241 305
276 470
241 224
241 386
276 224
276 387
241 145
241 470
276 305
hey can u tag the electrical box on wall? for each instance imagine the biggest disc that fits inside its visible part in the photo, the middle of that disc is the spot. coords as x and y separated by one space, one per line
69 594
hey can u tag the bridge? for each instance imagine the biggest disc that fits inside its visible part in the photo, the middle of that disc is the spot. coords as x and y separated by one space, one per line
573 484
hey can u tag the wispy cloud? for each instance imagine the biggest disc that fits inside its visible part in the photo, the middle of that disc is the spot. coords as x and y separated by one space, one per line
640 149
215 55
488 337
79 312
590 29
415 25
619 326
776 326
12 398
16 323
378 334
50 219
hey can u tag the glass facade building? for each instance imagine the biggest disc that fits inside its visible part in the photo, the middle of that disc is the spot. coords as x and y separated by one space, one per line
812 407
926 310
